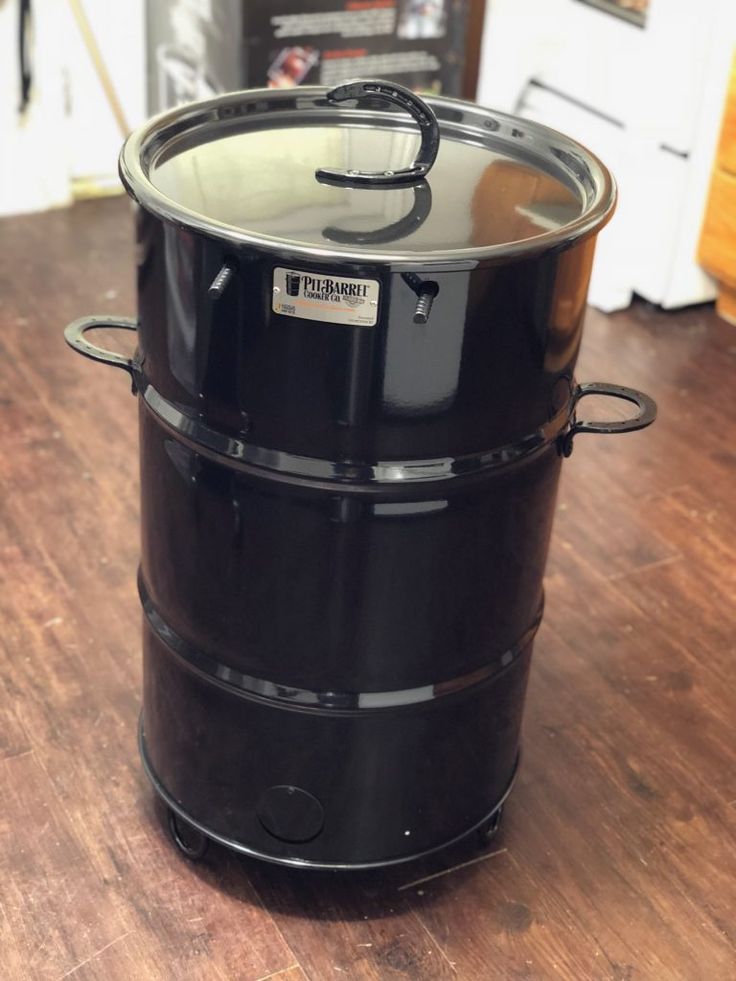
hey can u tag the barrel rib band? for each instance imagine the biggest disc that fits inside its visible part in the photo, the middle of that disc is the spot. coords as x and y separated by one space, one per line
239 452
240 683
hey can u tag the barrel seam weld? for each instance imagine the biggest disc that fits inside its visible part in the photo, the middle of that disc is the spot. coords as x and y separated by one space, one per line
213 444
208 667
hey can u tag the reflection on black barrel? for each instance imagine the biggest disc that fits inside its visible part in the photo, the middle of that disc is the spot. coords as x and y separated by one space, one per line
345 528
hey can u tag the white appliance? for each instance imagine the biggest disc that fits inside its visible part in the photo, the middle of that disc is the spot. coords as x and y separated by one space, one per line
647 99
67 132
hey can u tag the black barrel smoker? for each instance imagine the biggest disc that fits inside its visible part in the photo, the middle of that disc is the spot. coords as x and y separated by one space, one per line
355 381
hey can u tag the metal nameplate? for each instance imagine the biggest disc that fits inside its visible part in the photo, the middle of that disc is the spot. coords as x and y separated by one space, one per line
320 296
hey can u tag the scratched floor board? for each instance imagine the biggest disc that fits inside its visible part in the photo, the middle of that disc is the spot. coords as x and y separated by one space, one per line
616 857
87 748
594 766
357 926
45 876
651 790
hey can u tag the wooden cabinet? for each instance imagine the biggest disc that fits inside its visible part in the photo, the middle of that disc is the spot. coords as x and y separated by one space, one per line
717 250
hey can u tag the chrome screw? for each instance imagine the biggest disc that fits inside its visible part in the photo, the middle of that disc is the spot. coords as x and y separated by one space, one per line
220 283
425 299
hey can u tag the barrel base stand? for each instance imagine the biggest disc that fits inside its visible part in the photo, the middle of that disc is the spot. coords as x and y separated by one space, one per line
192 838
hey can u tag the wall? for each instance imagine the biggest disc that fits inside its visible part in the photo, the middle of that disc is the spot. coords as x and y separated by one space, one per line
68 131
95 136
647 101
34 148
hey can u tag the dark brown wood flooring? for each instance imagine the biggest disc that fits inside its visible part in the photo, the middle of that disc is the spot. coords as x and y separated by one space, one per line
617 856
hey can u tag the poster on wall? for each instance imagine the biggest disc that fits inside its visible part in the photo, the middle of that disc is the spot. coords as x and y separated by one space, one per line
416 42
634 11
198 48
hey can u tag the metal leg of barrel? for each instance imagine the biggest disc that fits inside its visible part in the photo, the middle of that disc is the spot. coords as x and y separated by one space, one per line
189 840
488 831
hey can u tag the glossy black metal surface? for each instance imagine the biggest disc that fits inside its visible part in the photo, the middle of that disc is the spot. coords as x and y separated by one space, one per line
345 528
493 363
320 597
393 782
409 610
330 592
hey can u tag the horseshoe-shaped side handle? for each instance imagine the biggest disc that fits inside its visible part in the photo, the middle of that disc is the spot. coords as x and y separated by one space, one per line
417 109
644 417
74 335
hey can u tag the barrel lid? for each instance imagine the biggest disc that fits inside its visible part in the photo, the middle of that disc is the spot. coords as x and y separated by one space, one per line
312 173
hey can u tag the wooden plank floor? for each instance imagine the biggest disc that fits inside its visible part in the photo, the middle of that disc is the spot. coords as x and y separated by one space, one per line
616 859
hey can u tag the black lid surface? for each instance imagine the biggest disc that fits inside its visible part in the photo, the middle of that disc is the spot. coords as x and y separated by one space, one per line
242 168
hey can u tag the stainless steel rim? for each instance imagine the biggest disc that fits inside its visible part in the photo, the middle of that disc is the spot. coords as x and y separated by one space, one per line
457 119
